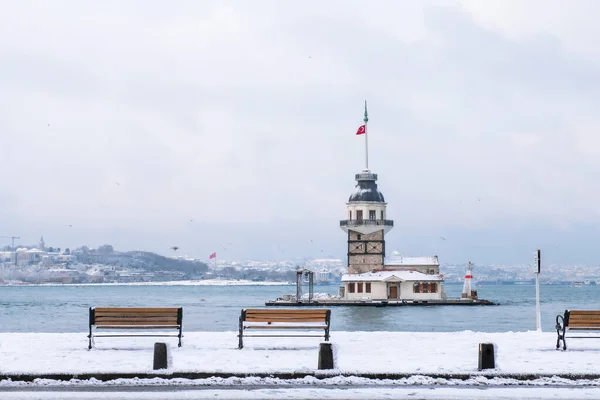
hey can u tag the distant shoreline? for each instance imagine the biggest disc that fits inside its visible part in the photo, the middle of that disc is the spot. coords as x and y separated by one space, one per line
207 282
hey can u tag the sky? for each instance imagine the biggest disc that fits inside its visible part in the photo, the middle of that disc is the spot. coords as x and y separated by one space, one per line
229 126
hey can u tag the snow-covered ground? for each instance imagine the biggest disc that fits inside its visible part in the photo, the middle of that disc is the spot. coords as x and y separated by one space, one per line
319 393
203 282
355 352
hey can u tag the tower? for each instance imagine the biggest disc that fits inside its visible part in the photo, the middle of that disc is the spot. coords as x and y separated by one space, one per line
42 245
467 289
366 223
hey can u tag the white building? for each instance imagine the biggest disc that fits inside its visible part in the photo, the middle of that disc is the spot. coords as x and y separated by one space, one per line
393 285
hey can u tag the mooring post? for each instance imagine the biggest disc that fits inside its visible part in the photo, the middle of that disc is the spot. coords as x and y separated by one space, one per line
325 356
486 356
160 356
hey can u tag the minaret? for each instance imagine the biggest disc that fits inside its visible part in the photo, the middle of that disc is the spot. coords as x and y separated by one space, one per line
366 225
42 245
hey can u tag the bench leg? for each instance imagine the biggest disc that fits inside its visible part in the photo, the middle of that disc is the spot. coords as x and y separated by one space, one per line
90 343
560 326
179 338
241 334
327 335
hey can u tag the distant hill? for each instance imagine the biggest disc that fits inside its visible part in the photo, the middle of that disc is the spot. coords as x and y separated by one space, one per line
144 260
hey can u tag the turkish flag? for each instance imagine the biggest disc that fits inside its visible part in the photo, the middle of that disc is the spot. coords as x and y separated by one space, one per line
213 255
361 130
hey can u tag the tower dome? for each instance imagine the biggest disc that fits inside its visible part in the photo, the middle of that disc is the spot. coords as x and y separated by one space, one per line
366 189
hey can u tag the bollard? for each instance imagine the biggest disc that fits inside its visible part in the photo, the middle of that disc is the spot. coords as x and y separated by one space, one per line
325 356
160 356
486 356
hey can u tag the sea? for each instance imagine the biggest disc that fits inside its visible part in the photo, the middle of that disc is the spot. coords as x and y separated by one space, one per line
217 308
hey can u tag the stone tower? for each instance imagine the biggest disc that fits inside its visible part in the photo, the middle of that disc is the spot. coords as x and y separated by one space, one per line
366 225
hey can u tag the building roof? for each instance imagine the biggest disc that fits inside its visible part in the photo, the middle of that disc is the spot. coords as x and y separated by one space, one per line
390 276
366 189
395 260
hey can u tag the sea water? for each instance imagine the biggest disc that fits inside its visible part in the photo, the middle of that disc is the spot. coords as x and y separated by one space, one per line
217 308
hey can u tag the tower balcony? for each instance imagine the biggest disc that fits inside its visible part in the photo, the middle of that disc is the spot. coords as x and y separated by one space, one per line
367 226
365 176
366 222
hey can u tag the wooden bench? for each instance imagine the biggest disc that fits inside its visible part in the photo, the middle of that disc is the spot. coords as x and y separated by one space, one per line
284 320
135 319
576 320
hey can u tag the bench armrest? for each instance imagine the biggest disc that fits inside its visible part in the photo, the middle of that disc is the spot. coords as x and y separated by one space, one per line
560 323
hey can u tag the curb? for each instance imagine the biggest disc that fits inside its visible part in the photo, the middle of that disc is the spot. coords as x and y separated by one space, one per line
104 377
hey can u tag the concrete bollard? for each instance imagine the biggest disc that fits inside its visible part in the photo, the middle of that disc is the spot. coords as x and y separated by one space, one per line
486 356
160 356
325 356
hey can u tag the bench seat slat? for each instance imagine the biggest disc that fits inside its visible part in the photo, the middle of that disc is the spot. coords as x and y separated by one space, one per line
137 335
584 312
300 316
137 317
286 314
137 327
285 311
285 327
584 322
583 328
288 320
136 310
137 322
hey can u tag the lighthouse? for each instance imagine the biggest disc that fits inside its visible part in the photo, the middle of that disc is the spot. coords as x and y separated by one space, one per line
371 274
366 224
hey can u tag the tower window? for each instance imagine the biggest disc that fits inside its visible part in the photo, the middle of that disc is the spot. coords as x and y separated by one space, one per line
360 287
381 215
372 215
368 287
350 215
358 237
351 287
359 215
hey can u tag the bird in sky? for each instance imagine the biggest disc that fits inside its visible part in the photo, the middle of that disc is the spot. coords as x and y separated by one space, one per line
175 248
443 238
70 225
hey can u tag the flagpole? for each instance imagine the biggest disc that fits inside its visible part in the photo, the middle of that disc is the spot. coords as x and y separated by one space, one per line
366 120
538 314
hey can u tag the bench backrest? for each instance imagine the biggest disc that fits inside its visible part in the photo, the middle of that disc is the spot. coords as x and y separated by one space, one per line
136 316
583 318
286 315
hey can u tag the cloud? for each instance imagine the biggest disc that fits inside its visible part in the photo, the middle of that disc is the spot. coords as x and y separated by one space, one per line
242 115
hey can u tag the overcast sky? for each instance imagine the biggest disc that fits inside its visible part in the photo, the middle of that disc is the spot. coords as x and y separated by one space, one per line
121 121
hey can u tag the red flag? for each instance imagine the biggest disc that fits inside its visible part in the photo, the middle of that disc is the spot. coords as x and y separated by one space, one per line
213 255
361 130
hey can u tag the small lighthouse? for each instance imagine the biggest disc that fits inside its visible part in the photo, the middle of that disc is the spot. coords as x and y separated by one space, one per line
366 223
468 292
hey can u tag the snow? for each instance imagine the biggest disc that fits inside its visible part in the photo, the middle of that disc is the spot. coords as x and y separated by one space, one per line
320 393
205 282
356 353
390 276
408 261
